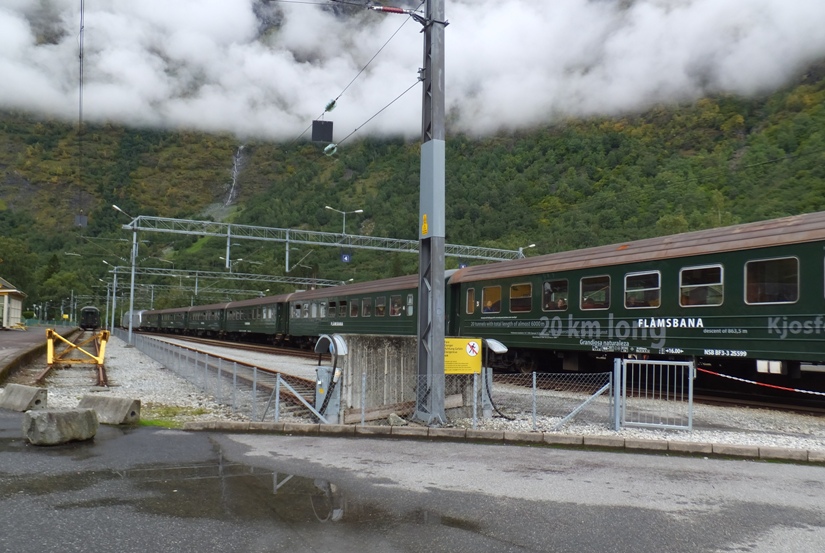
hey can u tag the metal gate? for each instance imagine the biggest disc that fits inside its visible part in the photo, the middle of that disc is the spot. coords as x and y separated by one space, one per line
654 394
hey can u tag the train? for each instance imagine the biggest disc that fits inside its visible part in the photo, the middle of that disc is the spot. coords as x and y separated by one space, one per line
136 316
746 299
89 318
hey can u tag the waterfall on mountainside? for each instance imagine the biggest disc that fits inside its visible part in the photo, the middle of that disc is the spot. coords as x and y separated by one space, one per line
237 164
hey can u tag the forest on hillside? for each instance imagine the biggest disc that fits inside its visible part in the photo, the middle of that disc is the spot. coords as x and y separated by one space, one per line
577 183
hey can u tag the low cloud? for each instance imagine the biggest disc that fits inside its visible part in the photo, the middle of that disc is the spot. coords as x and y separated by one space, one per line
266 69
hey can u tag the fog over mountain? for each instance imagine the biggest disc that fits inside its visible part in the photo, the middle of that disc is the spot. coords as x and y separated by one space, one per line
266 69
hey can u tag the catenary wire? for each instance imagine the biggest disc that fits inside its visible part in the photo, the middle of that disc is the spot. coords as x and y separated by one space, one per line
332 104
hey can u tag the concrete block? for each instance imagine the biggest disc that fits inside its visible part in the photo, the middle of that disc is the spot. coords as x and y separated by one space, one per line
457 433
196 425
534 437
52 427
337 429
562 439
301 428
604 441
783 453
410 431
112 410
234 426
816 456
648 445
690 447
258 426
491 435
368 430
736 450
17 397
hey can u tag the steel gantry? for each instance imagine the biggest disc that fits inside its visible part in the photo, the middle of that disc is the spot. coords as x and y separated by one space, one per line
248 232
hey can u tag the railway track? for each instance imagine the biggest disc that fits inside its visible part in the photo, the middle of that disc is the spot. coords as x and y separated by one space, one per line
258 348
560 382
66 356
294 398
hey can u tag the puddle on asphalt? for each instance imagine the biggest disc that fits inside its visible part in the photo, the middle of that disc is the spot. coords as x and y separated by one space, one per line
216 490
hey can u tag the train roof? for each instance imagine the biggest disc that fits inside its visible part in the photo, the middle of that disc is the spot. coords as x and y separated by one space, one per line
170 310
210 307
265 300
775 232
384 285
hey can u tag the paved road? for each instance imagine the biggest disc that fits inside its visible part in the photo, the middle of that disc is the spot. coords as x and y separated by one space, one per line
148 489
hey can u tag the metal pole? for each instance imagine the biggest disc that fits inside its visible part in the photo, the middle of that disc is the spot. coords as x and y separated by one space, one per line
114 301
431 312
132 285
107 305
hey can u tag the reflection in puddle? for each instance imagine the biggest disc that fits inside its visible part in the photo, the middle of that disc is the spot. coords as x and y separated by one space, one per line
217 490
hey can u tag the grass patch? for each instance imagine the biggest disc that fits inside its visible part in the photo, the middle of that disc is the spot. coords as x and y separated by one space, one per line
169 416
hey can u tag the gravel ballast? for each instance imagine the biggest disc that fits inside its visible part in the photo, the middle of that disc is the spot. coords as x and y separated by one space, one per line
165 395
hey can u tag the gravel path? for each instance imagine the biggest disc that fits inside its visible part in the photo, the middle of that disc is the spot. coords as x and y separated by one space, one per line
165 395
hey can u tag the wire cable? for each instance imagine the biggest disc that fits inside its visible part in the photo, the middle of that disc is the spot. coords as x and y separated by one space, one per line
379 111
331 105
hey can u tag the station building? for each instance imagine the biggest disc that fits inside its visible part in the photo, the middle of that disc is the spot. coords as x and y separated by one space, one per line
11 304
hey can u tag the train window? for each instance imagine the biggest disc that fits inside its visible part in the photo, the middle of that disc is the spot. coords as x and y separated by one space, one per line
395 306
366 307
296 310
772 280
353 308
409 305
701 286
595 292
305 310
380 306
521 298
342 308
554 295
333 307
642 290
471 301
323 309
491 299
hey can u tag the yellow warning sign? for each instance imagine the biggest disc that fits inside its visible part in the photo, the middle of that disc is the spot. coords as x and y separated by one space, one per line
424 226
462 355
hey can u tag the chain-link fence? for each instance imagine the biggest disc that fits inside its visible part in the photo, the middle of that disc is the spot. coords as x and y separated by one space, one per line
547 401
539 401
248 390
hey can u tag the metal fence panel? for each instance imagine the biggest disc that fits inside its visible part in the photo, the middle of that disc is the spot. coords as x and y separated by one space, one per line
657 394
547 401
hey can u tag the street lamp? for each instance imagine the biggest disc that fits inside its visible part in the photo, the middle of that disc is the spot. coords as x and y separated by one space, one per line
114 295
229 262
106 317
344 213
132 285
521 250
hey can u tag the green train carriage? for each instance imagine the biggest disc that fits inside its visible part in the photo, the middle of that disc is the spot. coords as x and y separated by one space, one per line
383 307
172 320
260 319
206 320
749 298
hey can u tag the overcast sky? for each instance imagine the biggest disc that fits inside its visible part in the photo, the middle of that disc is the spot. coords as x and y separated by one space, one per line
225 65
